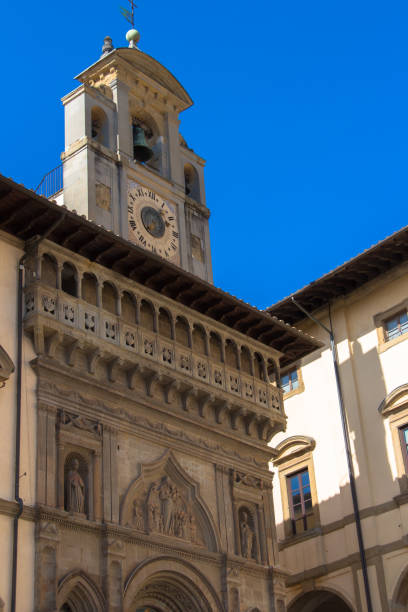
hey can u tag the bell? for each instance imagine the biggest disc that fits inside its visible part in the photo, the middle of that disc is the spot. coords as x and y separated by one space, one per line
141 152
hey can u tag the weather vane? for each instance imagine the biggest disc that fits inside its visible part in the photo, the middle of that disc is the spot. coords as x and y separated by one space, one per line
129 15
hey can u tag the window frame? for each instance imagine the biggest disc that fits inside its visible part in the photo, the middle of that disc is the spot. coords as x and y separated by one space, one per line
295 454
305 513
380 321
300 384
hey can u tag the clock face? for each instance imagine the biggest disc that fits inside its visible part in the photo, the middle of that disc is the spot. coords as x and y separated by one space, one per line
152 222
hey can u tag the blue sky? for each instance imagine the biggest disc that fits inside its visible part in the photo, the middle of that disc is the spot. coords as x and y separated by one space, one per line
300 111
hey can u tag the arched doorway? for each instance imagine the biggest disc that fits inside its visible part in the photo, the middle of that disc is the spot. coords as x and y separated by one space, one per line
319 601
400 599
153 587
170 594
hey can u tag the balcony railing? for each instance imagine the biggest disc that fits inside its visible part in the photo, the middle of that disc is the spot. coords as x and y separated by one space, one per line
51 183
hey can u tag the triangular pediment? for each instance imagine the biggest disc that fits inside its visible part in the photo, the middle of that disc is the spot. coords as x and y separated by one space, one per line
140 63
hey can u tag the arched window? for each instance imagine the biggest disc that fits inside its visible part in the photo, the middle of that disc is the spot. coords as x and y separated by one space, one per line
215 347
147 315
49 271
165 326
128 308
69 279
89 289
182 331
297 484
259 366
231 354
199 344
109 297
246 361
99 126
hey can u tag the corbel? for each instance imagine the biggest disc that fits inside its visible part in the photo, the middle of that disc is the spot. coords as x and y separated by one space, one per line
221 410
39 340
170 390
71 351
204 403
149 377
186 395
249 422
53 342
93 358
131 376
113 366
235 413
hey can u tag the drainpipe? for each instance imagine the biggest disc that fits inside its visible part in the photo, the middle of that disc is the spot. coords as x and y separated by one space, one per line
18 411
347 445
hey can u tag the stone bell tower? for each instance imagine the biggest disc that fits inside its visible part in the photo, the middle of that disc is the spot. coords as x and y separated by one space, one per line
128 100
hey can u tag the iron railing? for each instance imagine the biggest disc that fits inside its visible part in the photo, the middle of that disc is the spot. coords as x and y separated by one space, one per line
51 183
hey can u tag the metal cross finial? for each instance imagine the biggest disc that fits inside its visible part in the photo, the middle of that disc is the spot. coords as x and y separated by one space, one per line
129 15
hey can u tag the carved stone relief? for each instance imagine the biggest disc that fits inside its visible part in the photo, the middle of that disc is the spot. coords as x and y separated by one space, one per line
75 489
163 501
164 509
247 534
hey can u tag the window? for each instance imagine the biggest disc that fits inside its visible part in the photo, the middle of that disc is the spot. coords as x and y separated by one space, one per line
290 381
396 325
403 434
297 485
300 501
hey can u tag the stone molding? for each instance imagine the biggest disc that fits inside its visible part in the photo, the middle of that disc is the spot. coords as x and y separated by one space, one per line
61 396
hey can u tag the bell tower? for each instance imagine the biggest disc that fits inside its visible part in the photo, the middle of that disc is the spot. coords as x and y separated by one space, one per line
127 167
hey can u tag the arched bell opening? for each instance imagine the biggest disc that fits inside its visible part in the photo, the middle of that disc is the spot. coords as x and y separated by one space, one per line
99 126
146 140
320 601
191 182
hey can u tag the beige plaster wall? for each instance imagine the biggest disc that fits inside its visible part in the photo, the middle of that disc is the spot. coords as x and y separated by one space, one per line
10 253
369 371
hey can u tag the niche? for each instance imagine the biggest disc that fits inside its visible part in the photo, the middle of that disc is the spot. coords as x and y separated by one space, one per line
69 279
76 484
99 126
247 533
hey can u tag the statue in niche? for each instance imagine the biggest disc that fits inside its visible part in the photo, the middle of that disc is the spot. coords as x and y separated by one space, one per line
75 489
167 496
138 515
247 536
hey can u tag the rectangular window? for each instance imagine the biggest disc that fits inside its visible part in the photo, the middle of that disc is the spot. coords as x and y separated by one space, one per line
396 325
403 433
300 501
289 381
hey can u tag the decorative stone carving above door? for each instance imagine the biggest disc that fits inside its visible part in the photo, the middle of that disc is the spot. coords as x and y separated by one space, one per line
163 500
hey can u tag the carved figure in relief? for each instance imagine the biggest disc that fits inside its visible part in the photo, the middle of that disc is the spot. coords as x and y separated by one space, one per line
247 536
75 489
167 496
138 515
